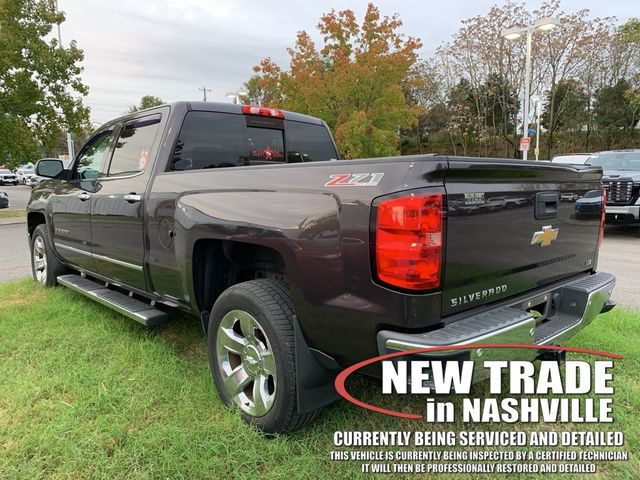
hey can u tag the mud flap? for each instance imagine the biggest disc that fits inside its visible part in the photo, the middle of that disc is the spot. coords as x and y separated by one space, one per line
314 383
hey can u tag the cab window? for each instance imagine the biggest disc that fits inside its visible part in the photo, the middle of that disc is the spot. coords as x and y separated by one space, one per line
92 155
133 148
219 140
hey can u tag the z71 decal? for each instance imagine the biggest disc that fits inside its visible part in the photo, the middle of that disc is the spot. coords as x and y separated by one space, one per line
354 180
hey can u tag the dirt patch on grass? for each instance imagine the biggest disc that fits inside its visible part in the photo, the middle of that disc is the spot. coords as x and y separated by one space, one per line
24 297
12 213
186 338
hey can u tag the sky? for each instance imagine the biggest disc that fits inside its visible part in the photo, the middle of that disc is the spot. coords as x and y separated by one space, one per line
172 48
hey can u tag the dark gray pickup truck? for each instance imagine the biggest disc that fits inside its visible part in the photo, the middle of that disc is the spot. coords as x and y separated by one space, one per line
621 181
299 264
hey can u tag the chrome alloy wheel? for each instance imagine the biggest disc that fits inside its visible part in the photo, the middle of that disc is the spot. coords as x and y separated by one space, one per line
39 260
246 362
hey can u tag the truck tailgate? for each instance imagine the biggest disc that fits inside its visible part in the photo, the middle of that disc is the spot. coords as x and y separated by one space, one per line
513 226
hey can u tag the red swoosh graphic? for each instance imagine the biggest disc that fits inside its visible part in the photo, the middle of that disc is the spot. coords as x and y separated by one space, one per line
342 377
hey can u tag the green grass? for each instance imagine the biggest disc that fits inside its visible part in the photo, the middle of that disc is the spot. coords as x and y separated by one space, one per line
12 213
87 393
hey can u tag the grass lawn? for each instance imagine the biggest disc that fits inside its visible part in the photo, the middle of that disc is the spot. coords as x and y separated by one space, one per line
12 212
87 393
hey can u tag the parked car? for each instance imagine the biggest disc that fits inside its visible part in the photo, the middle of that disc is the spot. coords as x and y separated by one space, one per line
24 175
4 199
7 177
577 158
35 180
495 203
298 266
621 181
569 197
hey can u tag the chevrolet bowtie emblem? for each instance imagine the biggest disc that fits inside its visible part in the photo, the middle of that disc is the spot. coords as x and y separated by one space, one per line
545 236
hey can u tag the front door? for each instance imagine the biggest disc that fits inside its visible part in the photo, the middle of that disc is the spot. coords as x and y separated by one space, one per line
117 217
70 204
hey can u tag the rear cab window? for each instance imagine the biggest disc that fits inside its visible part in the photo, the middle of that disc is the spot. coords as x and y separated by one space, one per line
220 140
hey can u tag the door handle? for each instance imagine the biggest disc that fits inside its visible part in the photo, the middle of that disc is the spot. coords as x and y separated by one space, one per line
84 196
132 198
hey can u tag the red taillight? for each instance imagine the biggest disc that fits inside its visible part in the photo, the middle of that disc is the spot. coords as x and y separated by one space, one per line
408 241
262 111
603 208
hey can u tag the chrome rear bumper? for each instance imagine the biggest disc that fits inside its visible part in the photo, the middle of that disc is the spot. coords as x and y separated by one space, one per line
569 307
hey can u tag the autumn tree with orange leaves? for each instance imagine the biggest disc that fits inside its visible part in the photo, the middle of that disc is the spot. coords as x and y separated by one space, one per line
355 81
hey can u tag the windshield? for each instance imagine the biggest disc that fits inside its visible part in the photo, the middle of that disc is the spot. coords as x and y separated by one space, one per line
4 170
617 160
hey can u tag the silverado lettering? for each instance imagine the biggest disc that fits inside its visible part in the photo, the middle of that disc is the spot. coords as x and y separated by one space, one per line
230 214
481 295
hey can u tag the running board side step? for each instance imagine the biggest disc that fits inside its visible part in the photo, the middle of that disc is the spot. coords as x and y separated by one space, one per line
130 307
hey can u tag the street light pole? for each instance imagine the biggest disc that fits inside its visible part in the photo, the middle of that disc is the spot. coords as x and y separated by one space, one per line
70 151
514 33
538 112
236 96
527 87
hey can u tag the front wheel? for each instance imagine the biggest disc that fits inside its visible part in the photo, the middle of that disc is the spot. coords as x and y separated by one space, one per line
45 267
252 354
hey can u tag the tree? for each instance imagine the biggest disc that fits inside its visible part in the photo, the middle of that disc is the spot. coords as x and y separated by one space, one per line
566 108
629 34
423 92
355 80
491 69
462 122
147 101
500 107
40 86
613 111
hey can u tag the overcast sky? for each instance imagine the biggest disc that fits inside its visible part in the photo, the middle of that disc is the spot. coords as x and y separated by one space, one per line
170 48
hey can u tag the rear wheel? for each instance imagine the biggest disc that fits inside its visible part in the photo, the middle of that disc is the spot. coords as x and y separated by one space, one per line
45 267
252 354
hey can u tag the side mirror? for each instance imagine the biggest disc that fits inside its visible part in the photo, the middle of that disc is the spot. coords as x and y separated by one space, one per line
49 167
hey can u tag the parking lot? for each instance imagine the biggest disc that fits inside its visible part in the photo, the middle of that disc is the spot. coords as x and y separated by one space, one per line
618 255
18 195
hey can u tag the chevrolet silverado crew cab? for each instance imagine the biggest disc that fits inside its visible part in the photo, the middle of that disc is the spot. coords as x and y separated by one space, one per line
621 181
299 264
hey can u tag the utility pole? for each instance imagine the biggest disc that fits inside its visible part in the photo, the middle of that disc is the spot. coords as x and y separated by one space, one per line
69 139
204 93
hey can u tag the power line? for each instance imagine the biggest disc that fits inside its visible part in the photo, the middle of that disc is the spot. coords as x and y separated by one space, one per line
204 91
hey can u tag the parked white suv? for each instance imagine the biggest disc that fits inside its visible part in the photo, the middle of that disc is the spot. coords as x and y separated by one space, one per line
24 174
7 176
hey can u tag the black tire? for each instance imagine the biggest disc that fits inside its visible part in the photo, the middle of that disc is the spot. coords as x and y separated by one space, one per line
268 303
45 267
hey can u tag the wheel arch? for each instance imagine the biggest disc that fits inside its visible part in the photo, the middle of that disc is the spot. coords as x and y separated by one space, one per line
33 220
218 264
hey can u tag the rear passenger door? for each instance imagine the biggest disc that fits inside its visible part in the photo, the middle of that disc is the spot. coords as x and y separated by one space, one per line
117 218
